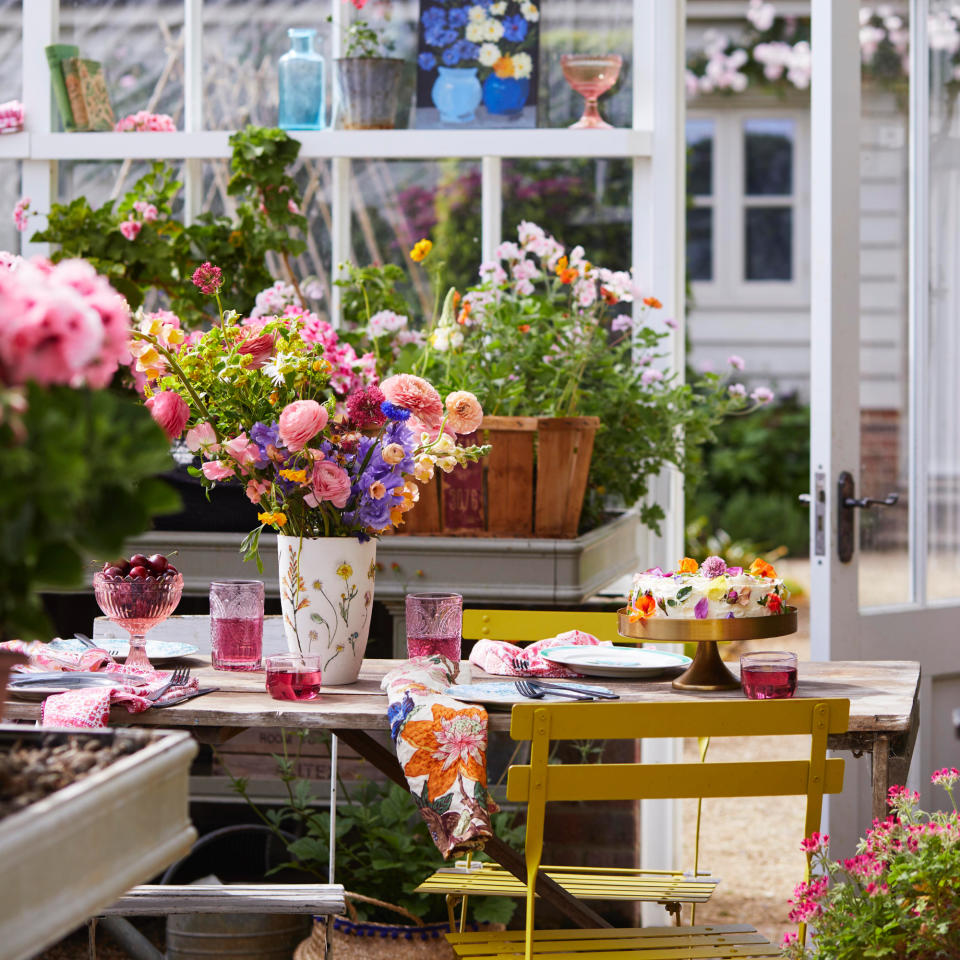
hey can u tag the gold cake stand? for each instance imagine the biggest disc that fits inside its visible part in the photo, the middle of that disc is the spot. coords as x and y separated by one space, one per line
708 671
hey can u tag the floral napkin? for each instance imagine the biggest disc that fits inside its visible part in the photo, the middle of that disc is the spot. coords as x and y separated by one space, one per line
496 657
442 746
44 658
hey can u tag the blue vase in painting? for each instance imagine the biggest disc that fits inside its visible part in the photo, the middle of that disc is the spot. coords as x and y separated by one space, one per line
505 95
456 94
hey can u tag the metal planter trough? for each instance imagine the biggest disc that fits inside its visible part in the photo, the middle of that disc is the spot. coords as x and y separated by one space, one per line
74 852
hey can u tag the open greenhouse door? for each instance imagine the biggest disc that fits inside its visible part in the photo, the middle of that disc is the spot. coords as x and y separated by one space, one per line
885 516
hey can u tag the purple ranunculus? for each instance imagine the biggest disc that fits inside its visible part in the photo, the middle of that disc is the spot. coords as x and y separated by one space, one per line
701 609
713 567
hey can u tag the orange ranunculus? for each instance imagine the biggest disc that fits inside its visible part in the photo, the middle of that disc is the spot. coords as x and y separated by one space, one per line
688 565
524 327
652 302
644 606
503 67
452 743
760 568
561 265
568 275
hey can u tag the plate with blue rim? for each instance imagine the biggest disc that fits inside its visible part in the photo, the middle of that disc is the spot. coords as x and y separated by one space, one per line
504 693
158 651
616 662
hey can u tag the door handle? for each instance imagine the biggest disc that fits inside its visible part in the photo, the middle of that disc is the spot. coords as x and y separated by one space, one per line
847 503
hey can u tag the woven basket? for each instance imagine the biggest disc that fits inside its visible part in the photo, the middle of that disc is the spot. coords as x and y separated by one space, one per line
355 939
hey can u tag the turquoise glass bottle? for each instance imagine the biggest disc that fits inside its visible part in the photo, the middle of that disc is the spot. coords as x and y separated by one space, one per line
302 105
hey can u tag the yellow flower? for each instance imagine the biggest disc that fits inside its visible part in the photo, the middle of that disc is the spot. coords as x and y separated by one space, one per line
345 571
503 67
280 519
718 588
296 476
420 250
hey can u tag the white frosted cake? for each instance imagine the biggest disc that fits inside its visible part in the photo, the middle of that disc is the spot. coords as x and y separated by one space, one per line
710 591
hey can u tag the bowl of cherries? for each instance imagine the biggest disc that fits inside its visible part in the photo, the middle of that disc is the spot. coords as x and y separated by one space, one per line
137 594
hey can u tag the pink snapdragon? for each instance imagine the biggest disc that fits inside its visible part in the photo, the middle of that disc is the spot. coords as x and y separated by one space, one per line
256 489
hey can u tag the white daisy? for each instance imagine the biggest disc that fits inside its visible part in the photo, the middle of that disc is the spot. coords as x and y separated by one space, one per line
522 65
474 32
492 30
489 54
530 12
477 14
498 9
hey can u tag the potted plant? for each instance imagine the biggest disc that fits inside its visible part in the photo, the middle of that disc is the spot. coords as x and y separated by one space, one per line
566 354
368 83
898 897
330 459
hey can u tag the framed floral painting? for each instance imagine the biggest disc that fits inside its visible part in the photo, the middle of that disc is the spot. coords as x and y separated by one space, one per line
477 63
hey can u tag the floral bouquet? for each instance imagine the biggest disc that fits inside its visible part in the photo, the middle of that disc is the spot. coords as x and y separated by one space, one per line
331 458
898 897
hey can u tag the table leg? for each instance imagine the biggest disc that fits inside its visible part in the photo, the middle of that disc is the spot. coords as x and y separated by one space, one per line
881 775
507 857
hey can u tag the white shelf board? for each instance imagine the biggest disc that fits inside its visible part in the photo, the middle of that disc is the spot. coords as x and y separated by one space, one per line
14 146
396 144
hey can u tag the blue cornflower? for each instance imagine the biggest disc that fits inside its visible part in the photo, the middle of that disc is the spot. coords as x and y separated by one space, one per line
433 17
451 56
458 16
394 412
426 61
515 28
433 35
467 50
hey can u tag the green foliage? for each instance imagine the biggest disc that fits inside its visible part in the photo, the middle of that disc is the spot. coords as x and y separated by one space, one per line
383 848
742 498
164 254
78 473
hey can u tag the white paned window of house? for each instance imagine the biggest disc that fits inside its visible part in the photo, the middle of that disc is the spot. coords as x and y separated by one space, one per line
748 213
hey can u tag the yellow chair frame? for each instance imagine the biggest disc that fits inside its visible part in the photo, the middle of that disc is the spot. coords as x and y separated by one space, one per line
539 782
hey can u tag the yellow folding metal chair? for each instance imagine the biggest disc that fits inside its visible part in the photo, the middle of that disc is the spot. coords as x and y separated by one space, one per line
669 888
540 782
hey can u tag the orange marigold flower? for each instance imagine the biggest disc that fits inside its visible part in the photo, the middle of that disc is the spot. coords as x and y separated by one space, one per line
652 302
760 568
561 265
524 327
464 313
688 565
504 67
568 275
644 606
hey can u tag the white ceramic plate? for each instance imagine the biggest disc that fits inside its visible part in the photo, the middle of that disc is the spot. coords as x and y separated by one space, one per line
615 661
505 694
157 650
39 686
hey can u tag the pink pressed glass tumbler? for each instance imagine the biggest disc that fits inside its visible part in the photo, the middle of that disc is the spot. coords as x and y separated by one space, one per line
768 675
591 76
434 624
236 624
294 676
138 605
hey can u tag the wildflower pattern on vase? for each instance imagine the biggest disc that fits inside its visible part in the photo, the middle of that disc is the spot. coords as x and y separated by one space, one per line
477 63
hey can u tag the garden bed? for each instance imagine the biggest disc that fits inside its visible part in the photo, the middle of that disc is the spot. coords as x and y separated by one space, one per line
85 816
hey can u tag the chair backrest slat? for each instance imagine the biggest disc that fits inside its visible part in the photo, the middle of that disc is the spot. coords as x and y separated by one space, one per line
527 626
625 781
708 718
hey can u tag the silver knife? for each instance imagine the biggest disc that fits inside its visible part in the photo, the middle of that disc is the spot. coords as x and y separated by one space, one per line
600 692
185 697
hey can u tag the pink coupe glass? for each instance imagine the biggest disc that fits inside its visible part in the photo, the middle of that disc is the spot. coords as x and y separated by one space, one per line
138 606
591 76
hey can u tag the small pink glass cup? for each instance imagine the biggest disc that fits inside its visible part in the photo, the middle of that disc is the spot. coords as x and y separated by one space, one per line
138 606
591 76
434 625
236 624
294 676
768 675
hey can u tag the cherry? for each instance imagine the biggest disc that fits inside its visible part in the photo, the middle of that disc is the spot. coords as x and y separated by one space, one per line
139 560
113 573
171 570
124 566
139 572
158 563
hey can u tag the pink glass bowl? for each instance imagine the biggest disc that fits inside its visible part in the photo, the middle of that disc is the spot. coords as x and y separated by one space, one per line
591 76
138 606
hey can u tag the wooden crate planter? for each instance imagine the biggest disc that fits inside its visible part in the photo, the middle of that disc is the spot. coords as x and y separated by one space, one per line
531 485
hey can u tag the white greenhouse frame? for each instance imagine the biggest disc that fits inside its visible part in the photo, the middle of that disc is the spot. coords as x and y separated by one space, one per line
654 144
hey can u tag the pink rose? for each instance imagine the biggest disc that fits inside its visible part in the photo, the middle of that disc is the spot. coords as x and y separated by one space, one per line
202 437
416 395
464 413
329 482
300 422
170 410
259 348
217 470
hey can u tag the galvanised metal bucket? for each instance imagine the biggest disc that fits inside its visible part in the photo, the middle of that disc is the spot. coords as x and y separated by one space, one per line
367 89
195 936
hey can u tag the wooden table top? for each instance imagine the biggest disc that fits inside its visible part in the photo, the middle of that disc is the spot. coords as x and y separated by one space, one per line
881 697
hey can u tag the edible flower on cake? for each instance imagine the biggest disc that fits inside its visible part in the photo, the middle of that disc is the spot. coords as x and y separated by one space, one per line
708 591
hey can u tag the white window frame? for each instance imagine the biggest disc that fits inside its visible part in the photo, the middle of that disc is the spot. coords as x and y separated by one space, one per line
728 199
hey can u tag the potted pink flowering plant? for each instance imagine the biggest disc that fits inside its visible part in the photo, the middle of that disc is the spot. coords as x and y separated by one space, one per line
329 456
898 897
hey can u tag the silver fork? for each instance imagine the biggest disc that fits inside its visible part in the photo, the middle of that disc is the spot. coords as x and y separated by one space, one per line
533 691
520 664
180 676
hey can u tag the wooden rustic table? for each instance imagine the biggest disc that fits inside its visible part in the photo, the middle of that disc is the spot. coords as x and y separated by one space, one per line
883 722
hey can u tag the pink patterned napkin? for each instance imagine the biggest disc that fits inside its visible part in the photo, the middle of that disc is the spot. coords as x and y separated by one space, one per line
44 660
91 708
496 656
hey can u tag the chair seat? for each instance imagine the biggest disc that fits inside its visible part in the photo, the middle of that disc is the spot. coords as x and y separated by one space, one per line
585 883
645 943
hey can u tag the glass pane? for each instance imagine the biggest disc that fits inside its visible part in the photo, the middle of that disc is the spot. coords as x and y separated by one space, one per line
9 195
884 560
139 43
700 243
769 243
700 157
943 480
11 34
584 202
768 157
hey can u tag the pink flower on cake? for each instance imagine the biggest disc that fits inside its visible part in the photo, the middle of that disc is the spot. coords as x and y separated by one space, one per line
702 608
300 422
464 413
217 470
202 438
131 229
170 411
329 482
713 567
416 395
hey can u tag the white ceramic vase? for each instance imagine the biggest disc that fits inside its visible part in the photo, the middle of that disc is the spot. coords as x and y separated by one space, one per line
326 595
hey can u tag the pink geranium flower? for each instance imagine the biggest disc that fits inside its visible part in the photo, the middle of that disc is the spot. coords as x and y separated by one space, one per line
20 213
131 229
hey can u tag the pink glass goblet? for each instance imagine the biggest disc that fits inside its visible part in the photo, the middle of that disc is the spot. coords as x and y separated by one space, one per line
138 606
591 76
